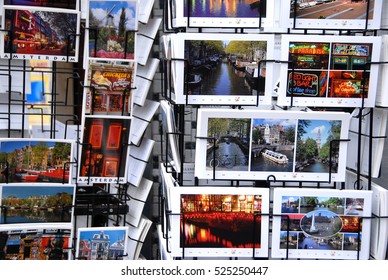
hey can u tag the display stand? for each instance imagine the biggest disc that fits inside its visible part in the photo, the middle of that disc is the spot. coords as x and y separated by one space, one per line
165 214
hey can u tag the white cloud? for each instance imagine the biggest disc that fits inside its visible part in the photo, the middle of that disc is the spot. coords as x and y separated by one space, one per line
318 128
100 14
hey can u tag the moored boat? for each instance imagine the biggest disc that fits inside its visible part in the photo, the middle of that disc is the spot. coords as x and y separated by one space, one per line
275 156
26 177
194 80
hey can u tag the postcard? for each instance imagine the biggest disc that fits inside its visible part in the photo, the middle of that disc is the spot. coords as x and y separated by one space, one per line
39 161
145 39
321 223
137 235
142 116
224 14
23 204
367 135
137 199
38 242
145 10
172 138
109 90
112 30
144 79
222 69
381 96
102 243
379 227
138 160
335 14
282 145
47 34
329 71
219 222
61 4
104 150
167 182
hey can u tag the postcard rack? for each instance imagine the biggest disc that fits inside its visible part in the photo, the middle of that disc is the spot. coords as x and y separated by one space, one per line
272 182
94 202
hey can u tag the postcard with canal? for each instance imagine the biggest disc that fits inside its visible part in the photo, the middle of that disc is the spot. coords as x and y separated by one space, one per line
282 145
35 161
322 223
216 221
24 204
223 69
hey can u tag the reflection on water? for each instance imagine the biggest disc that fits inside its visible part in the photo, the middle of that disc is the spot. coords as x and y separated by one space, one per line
223 8
292 209
335 209
202 236
317 167
228 155
34 216
223 79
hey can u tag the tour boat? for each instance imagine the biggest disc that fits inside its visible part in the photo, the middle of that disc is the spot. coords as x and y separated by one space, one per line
275 156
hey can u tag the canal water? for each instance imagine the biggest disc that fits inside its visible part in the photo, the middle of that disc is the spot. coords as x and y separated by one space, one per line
198 236
223 79
317 167
233 152
334 209
260 163
36 216
232 8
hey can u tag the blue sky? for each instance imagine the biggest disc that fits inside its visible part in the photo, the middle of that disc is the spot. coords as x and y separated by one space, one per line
283 122
10 146
289 198
27 191
315 125
99 9
114 234
321 212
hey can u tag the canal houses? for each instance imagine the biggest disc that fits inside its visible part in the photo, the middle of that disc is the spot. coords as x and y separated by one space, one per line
224 67
101 244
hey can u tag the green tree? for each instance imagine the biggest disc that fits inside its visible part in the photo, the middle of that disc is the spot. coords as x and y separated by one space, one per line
122 23
217 127
312 201
241 126
256 135
245 49
311 148
39 153
289 134
302 126
61 152
334 133
324 151
300 151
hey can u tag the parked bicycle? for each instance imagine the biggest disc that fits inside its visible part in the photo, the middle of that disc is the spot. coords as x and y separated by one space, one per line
224 160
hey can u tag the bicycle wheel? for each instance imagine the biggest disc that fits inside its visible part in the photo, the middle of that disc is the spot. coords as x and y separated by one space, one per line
214 163
228 162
